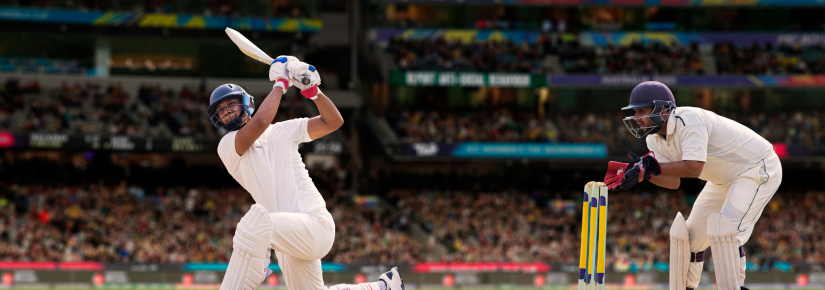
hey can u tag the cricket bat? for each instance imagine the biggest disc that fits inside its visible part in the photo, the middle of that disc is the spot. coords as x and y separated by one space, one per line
249 49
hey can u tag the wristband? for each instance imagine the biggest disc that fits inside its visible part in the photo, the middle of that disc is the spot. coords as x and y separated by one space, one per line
311 93
281 83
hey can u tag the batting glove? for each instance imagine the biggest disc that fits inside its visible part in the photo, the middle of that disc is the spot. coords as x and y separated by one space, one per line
305 77
278 71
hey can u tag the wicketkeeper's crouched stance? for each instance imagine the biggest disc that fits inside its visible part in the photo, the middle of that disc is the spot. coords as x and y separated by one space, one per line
741 169
290 216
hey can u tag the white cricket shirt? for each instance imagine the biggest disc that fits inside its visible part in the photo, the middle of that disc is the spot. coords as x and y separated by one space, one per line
727 147
272 169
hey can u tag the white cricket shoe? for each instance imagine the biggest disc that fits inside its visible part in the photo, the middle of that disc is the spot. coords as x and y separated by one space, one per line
267 272
392 279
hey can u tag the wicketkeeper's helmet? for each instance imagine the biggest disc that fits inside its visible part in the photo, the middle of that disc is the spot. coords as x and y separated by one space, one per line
649 94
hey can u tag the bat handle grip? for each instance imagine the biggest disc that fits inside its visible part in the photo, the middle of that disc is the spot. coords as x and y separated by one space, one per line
305 80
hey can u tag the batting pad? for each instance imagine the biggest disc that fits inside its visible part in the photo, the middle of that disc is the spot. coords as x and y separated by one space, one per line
725 248
679 253
250 254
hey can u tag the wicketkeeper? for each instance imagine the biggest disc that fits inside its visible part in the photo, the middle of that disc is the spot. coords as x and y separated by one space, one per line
741 169
289 214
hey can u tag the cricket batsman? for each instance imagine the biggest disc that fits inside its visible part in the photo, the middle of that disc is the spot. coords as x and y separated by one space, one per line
741 169
289 214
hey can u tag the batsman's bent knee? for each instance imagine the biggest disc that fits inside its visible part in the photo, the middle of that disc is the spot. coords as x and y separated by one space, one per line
250 254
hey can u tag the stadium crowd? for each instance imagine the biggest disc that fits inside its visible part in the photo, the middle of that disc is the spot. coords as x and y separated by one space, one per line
574 57
540 226
282 8
118 223
370 236
503 125
756 58
477 218
171 224
636 58
478 56
92 108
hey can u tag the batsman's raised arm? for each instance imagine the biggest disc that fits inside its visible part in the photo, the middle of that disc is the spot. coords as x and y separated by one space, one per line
306 78
256 126
329 120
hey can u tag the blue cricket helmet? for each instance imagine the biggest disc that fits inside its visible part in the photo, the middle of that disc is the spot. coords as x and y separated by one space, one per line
222 92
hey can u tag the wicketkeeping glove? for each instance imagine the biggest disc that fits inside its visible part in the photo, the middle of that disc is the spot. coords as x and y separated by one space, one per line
623 176
305 77
278 71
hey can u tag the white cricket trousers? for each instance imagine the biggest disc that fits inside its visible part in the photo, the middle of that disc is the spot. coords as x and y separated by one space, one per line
742 201
300 240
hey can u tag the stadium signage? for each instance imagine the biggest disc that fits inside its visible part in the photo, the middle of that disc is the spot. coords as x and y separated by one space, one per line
157 20
481 267
51 141
123 143
6 140
25 276
708 38
186 145
425 149
604 38
687 81
22 265
327 147
507 150
629 3
531 150
116 277
115 143
465 79
804 39
138 144
635 80
207 277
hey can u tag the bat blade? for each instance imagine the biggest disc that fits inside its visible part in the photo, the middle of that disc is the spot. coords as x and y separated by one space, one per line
247 47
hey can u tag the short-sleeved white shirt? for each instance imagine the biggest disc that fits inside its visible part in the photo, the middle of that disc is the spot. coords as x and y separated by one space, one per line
727 147
272 169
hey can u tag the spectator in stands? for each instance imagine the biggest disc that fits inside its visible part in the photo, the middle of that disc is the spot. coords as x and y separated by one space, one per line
636 58
767 59
93 109
517 226
480 56
502 125
130 223
266 8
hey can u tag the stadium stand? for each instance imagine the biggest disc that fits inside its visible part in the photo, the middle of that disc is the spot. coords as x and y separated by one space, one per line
756 58
510 225
83 108
278 8
795 127
440 54
636 58
123 222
